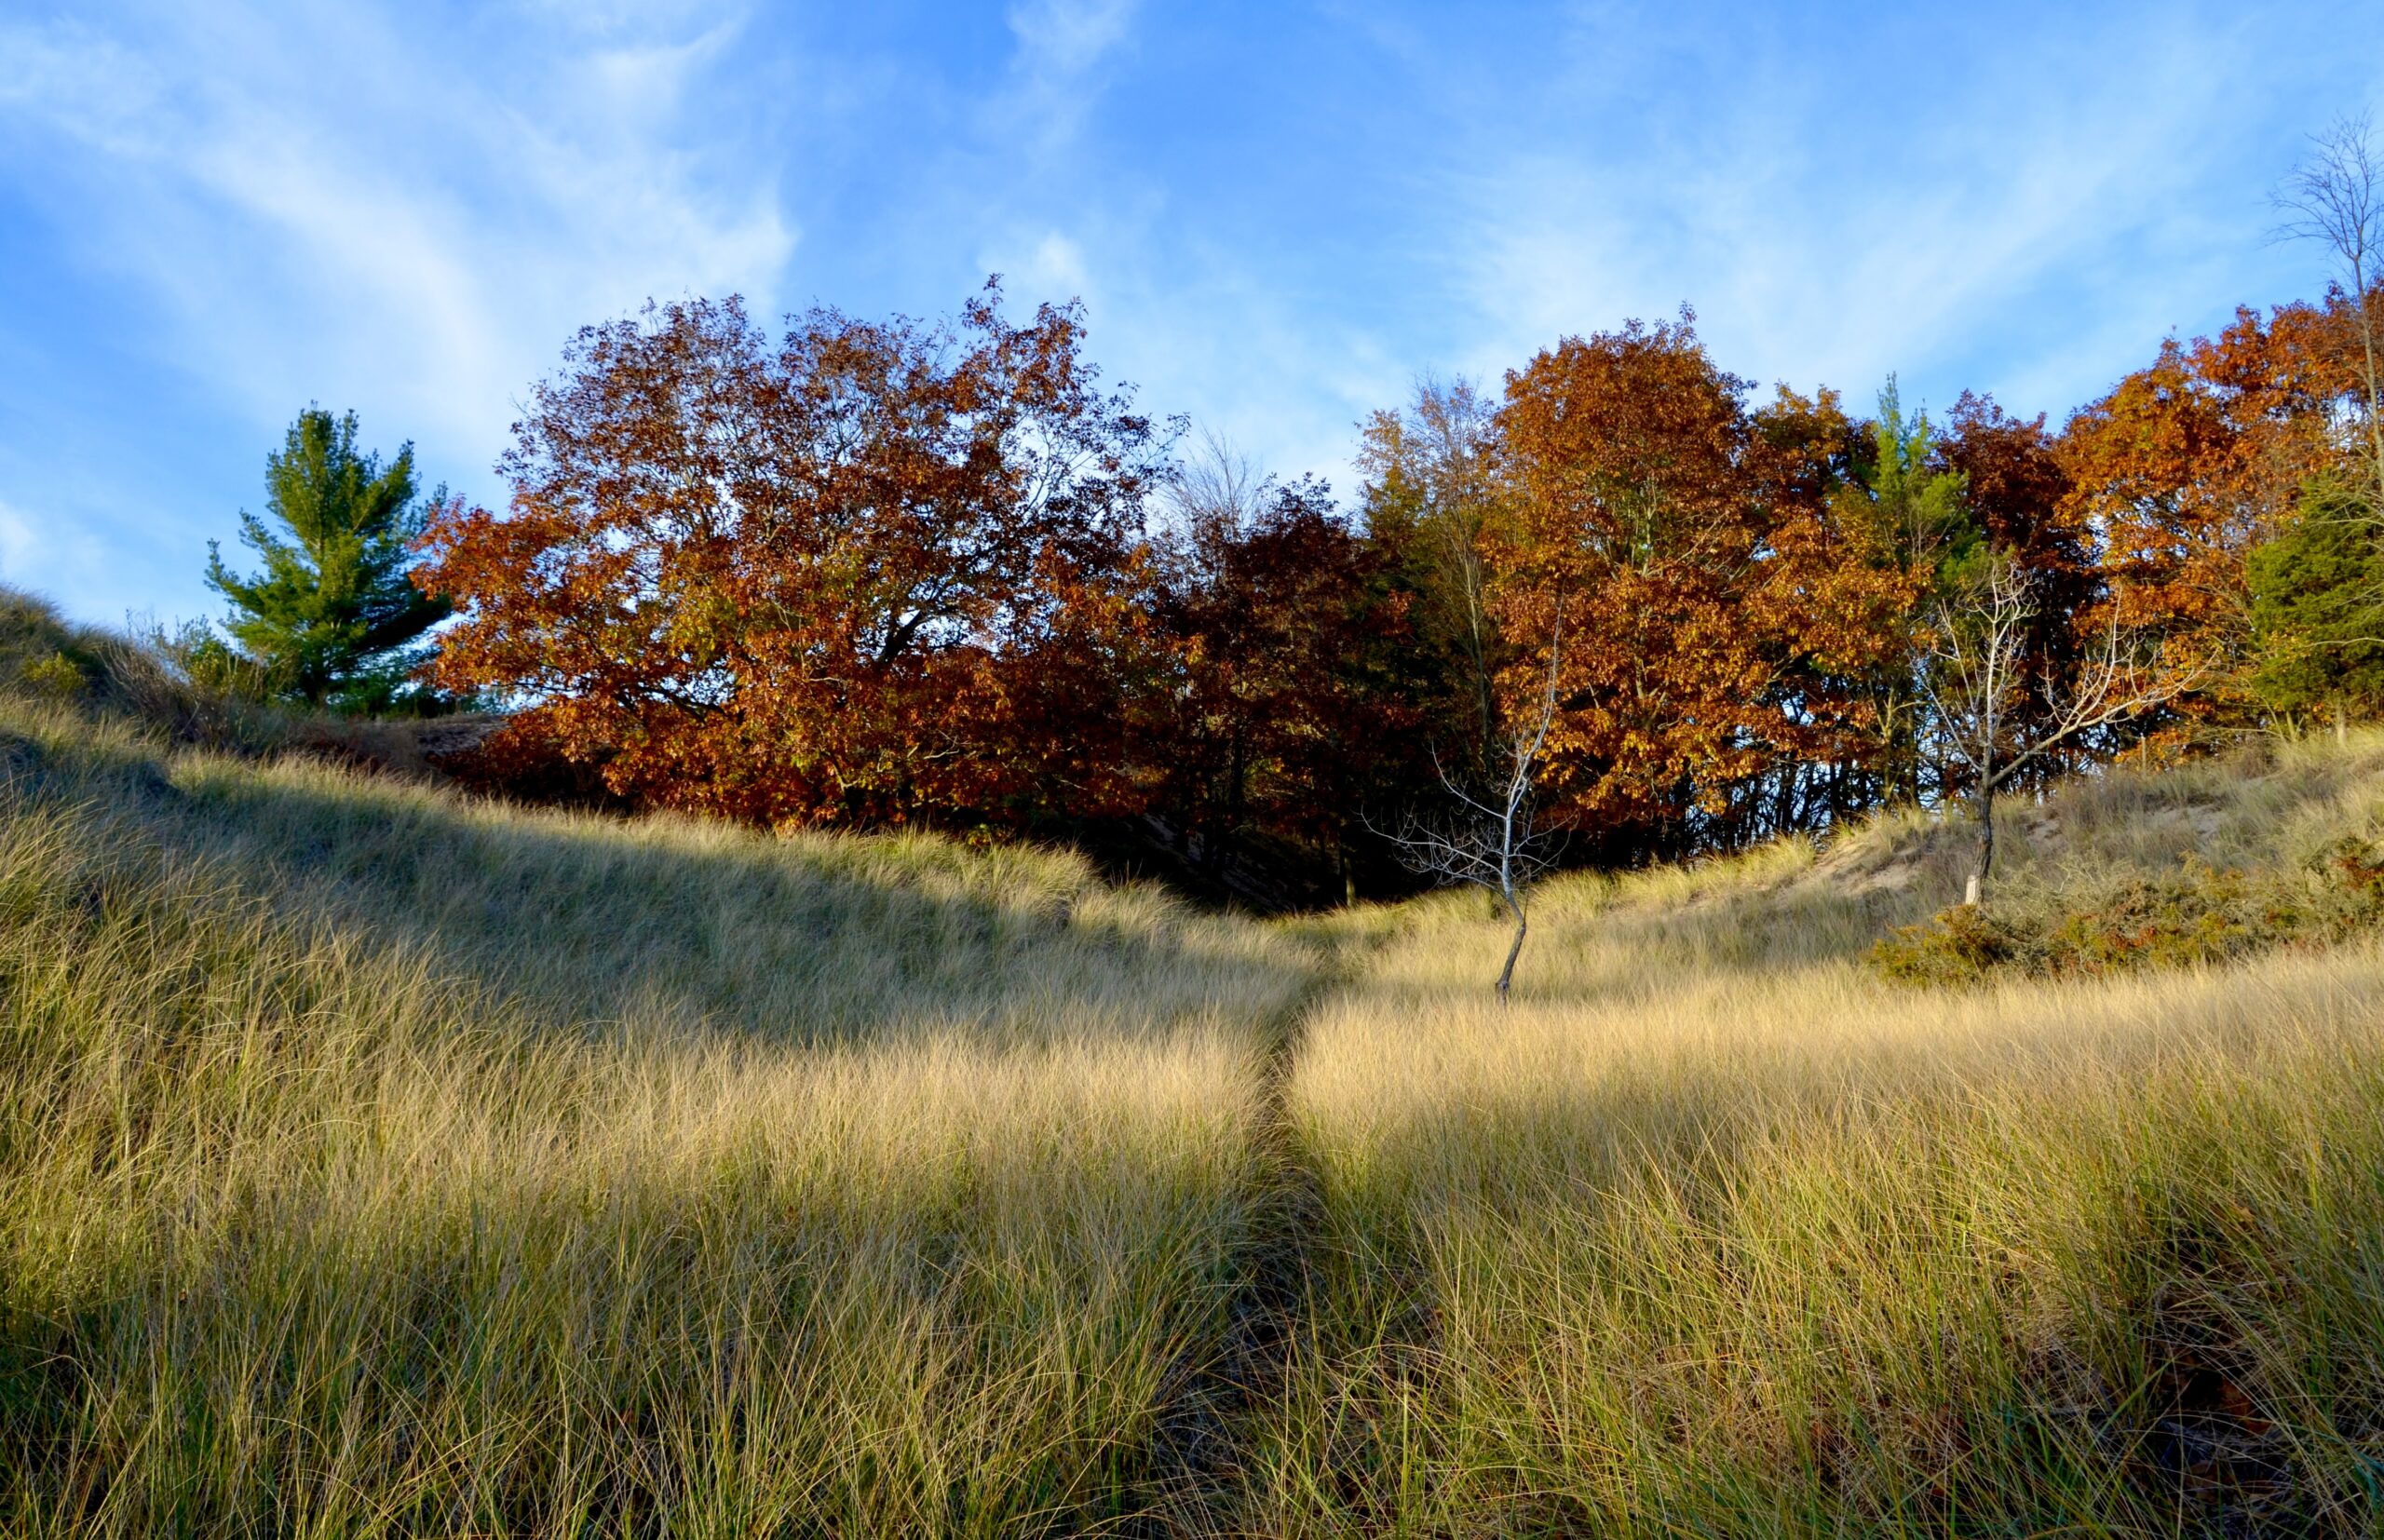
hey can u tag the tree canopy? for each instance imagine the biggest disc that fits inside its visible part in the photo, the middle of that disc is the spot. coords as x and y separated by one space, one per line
883 571
867 571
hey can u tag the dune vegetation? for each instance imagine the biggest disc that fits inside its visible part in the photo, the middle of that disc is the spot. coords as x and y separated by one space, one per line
1716 1231
379 1160
375 1161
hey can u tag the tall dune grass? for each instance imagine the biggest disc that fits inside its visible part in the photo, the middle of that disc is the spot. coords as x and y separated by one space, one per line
1715 1232
375 1162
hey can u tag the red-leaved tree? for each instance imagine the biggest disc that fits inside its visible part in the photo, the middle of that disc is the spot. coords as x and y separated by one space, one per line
873 572
1286 709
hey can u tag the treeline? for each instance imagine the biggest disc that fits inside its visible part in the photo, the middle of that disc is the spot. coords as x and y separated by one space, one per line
876 571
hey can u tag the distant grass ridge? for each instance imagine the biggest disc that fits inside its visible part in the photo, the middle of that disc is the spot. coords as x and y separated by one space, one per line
2280 849
48 660
2196 914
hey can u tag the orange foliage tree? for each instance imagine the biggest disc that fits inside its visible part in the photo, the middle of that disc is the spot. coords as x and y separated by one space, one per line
1836 601
873 572
878 571
1630 450
2186 464
1716 610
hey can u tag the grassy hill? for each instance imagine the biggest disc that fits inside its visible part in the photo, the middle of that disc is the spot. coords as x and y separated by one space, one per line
1718 1232
378 1161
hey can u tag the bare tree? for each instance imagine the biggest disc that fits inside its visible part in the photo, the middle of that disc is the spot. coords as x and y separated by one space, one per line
1975 686
1490 841
1215 491
2335 197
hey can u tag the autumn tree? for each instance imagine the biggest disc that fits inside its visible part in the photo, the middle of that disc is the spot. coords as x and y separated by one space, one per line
1633 514
1721 611
876 570
1289 698
1908 520
2016 492
1831 608
2187 463
334 618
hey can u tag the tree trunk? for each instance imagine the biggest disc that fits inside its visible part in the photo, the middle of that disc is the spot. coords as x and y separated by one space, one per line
1507 974
1986 842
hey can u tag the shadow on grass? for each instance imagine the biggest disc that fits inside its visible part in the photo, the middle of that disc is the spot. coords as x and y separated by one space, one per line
234 1280
1518 1288
583 920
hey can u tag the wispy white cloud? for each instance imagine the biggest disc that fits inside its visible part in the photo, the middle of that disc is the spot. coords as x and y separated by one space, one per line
1203 330
1276 218
1061 50
2025 219
324 210
1817 248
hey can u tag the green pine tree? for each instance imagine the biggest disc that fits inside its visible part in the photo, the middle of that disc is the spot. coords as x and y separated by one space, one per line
334 618
1917 513
2317 608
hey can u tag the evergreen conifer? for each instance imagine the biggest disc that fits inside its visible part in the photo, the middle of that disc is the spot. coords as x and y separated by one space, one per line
335 619
2317 608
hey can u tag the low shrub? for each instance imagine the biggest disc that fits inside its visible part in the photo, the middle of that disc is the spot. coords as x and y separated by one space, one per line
56 674
2194 915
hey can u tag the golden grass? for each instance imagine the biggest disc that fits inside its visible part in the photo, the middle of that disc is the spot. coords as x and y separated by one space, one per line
1713 1232
375 1162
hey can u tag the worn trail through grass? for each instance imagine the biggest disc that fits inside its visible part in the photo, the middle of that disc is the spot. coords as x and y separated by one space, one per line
1215 1416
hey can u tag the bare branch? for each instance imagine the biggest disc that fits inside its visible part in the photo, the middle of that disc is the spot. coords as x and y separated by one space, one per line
1215 488
1974 686
1493 844
2335 198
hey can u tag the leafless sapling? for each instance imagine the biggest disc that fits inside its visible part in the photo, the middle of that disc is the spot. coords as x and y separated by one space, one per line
2335 198
1489 841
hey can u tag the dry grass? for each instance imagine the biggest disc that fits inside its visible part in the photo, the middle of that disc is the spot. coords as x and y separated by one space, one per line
375 1162
1712 1232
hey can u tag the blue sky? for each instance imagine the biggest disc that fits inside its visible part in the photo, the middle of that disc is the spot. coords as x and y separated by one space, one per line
1277 215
